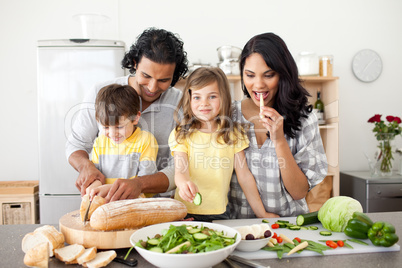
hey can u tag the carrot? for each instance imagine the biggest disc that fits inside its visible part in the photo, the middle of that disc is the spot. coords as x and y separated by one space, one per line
298 247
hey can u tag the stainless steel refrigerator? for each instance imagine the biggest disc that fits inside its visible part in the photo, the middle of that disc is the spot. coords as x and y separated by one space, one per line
67 69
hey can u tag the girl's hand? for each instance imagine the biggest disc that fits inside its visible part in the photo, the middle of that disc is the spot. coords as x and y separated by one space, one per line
187 191
273 122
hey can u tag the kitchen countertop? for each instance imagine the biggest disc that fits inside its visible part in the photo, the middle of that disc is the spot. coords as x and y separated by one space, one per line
12 256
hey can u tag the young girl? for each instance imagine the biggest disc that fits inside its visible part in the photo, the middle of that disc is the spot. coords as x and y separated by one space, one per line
207 145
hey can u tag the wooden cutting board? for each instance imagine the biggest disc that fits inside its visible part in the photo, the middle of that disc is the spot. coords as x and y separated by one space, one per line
75 232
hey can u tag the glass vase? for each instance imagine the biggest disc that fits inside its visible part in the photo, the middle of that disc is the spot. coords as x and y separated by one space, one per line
385 156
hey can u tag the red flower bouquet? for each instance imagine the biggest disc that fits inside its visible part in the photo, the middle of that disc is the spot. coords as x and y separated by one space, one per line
385 134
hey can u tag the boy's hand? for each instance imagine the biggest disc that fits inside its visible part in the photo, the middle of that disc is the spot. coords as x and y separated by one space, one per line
102 191
94 185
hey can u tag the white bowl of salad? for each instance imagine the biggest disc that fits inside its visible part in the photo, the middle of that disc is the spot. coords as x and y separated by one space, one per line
185 244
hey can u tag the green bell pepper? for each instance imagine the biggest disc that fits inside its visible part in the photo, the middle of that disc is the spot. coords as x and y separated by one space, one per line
382 234
358 226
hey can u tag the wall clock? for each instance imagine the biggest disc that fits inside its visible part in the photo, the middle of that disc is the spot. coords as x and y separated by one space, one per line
367 65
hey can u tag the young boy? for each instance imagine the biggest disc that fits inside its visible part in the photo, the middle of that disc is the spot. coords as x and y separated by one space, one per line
122 150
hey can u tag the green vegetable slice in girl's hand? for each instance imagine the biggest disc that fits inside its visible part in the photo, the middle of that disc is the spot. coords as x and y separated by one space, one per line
197 199
382 234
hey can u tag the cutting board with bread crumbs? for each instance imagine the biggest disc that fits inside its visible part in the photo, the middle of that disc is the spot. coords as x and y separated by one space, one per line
75 232
313 235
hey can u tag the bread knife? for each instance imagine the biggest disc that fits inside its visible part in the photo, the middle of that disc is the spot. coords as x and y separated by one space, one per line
87 212
246 262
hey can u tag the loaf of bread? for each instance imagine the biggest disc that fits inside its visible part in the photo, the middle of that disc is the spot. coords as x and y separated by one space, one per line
97 201
38 256
46 233
136 213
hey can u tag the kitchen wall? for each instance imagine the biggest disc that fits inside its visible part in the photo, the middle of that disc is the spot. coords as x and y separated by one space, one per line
340 28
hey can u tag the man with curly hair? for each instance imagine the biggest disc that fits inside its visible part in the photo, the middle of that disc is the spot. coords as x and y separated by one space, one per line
156 61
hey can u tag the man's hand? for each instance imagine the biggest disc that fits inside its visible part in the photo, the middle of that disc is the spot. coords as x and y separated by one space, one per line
79 160
124 189
88 174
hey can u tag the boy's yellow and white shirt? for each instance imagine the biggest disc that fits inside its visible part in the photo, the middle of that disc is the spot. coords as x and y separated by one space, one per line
136 156
211 165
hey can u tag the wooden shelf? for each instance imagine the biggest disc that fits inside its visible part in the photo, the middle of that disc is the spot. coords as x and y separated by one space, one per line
318 78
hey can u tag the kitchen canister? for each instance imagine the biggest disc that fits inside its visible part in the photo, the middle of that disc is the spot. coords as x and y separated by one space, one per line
326 65
307 63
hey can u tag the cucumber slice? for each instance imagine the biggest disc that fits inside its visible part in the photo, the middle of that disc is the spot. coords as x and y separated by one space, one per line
200 236
197 199
325 233
295 227
153 241
194 230
309 218
281 224
313 227
156 249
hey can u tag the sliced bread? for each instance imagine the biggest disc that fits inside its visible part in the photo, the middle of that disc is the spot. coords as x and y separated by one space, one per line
42 234
38 256
88 255
69 253
102 259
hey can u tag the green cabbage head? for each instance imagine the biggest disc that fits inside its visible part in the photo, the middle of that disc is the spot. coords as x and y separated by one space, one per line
337 211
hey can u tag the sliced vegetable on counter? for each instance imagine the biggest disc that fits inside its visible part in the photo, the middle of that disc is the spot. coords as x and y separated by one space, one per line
337 211
382 234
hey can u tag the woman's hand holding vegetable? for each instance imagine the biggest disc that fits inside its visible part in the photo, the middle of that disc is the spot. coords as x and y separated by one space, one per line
293 178
273 122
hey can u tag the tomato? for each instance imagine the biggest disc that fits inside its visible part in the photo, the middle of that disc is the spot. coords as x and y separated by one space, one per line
298 239
331 244
275 226
279 239
340 243
275 235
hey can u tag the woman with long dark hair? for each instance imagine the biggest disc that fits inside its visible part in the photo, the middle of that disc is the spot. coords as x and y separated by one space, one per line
286 154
